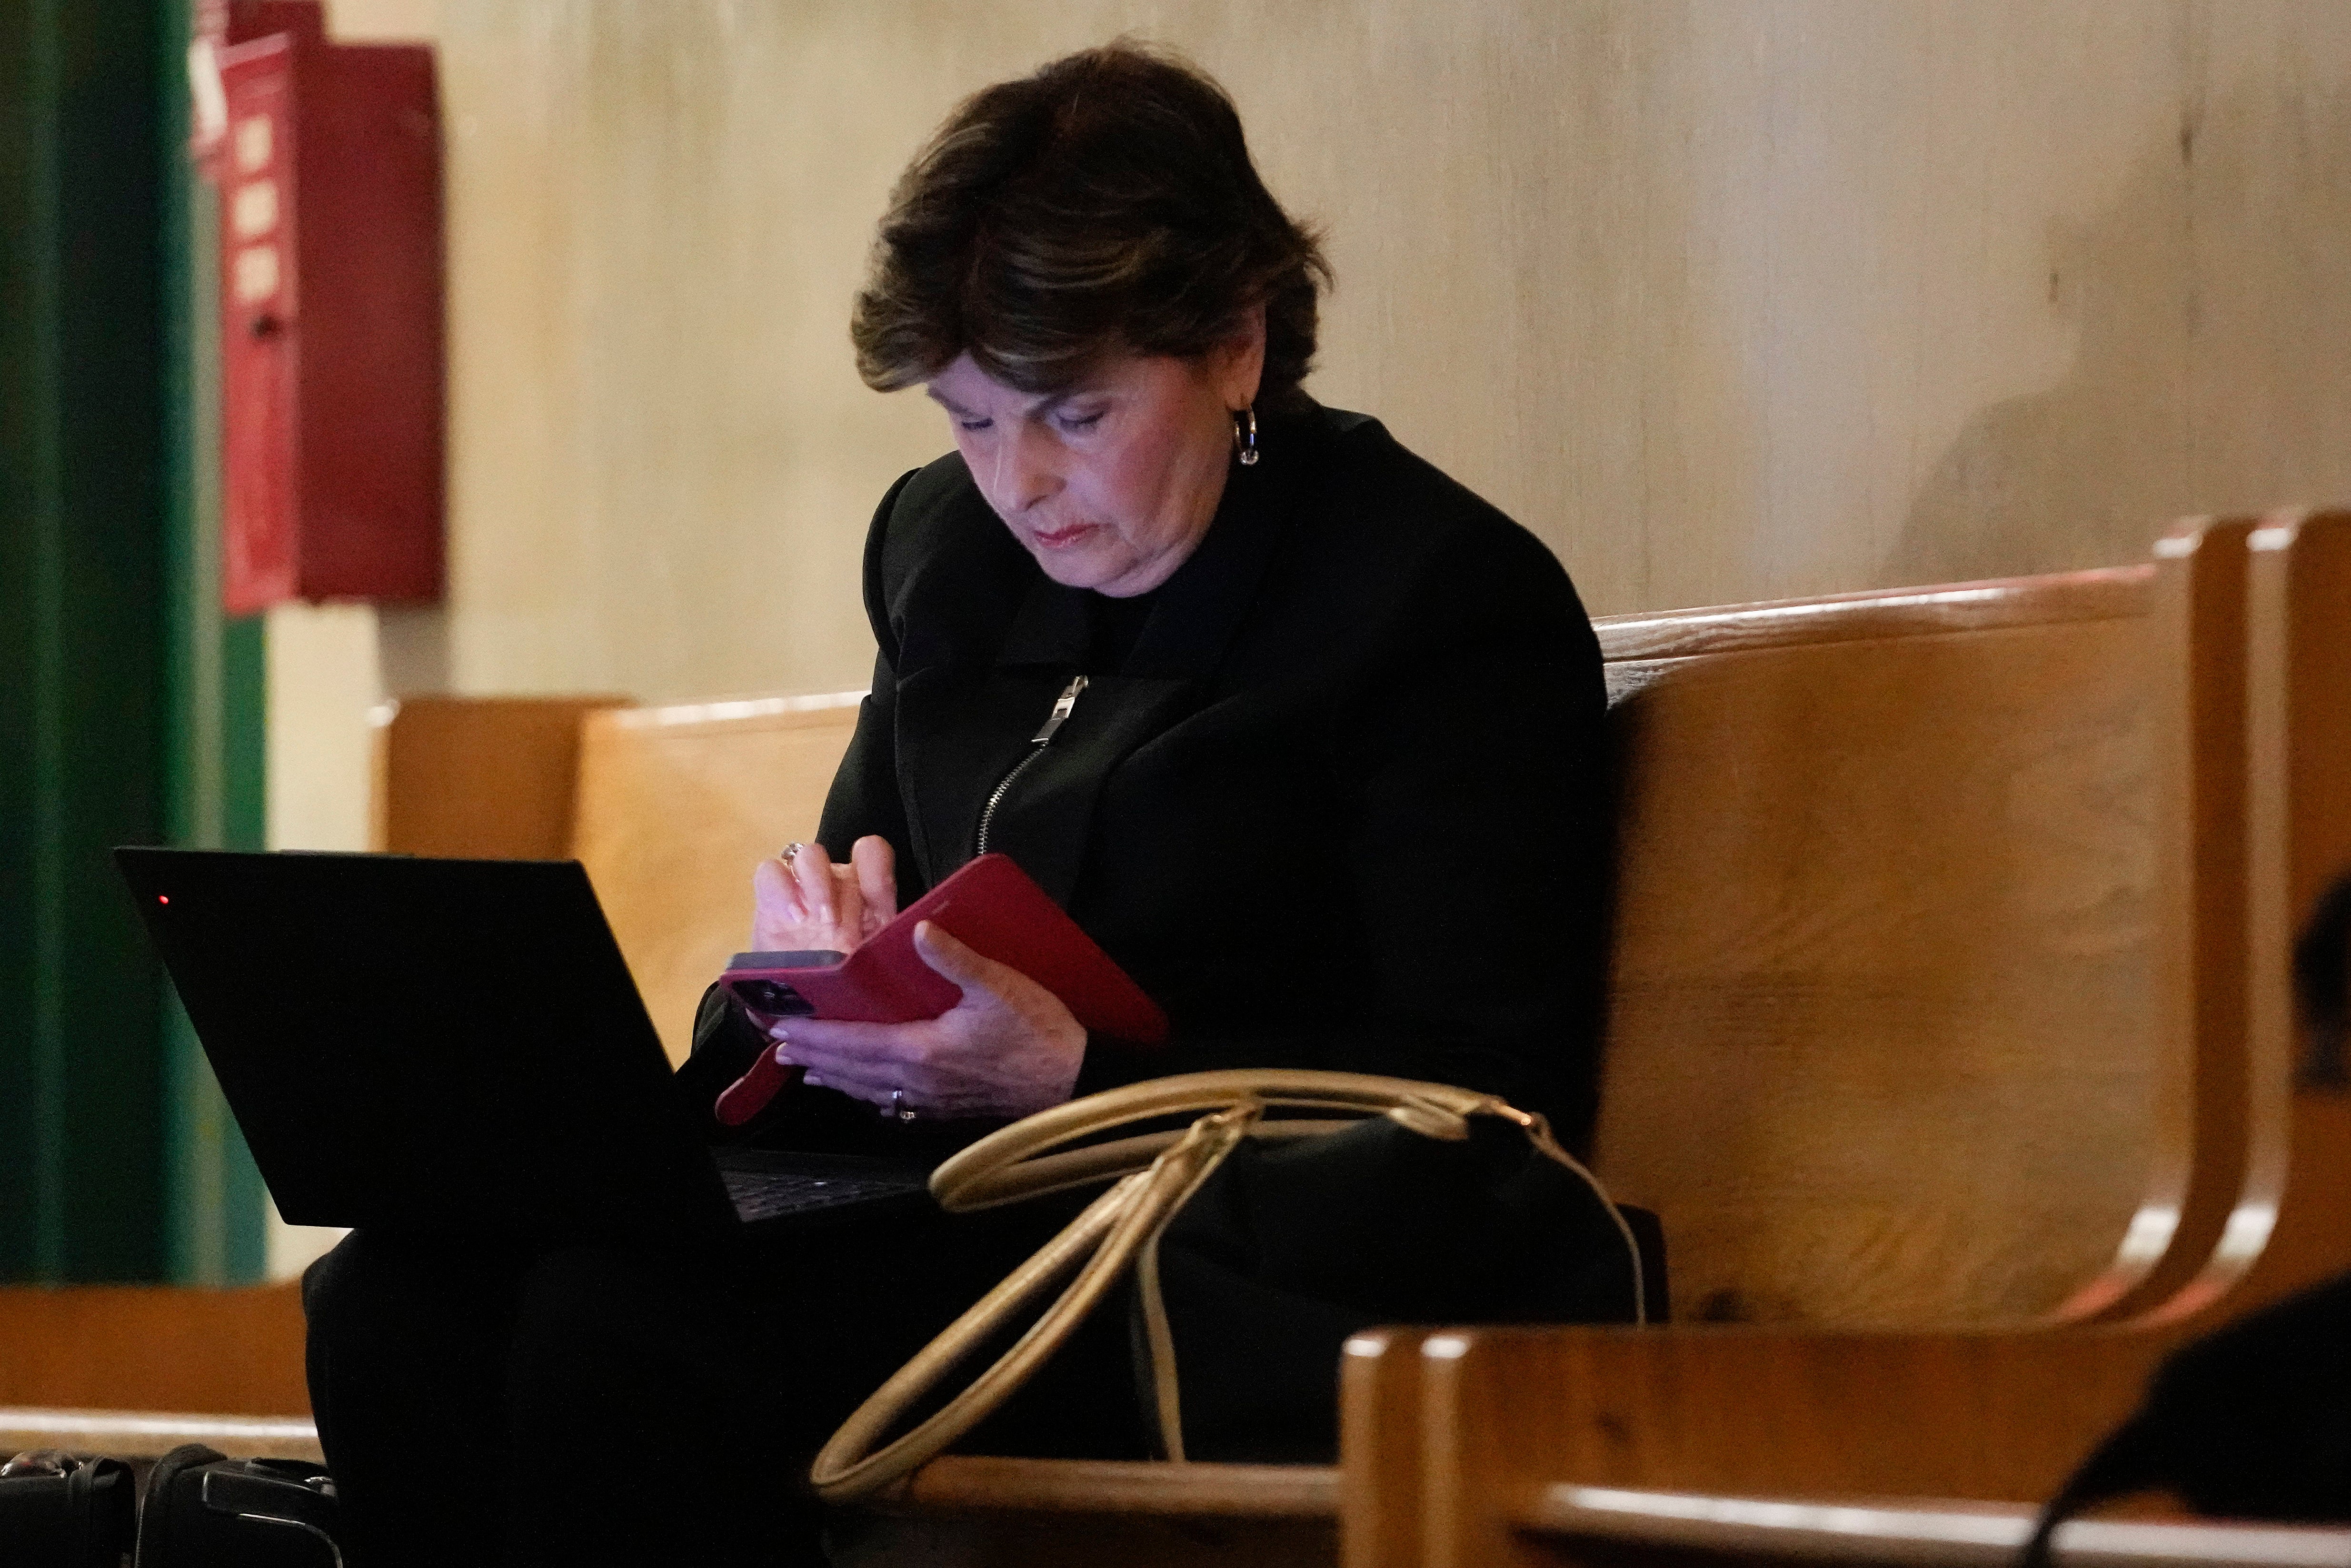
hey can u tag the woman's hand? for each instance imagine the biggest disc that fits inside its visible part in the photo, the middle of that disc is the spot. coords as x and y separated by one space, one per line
810 904
1007 1049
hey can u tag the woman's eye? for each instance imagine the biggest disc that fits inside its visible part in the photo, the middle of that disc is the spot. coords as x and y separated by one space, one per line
1076 422
974 423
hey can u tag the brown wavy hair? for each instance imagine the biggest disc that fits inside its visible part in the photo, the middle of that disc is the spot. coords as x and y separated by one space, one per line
1106 203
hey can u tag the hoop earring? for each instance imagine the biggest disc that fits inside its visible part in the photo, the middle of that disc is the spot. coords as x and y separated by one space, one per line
1245 434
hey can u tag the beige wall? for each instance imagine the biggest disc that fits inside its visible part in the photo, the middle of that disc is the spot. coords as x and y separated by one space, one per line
1724 301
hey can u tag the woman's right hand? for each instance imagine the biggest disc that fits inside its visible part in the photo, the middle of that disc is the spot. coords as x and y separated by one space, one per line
809 904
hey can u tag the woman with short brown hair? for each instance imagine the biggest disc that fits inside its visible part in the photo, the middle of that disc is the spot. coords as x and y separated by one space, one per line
1108 203
1304 734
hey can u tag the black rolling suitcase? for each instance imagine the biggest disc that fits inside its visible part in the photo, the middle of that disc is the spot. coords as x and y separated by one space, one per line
206 1511
58 1509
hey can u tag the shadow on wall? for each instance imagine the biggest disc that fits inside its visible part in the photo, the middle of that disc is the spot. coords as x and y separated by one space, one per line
2214 303
412 649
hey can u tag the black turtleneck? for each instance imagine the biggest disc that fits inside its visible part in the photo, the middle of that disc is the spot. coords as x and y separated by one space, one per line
1117 627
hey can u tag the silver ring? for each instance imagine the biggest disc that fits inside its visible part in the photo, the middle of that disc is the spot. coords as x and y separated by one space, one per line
898 1106
788 851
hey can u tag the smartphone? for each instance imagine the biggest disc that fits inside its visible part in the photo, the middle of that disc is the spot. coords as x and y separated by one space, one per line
993 907
749 976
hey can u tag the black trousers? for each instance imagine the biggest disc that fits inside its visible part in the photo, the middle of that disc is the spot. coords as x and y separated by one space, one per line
649 1403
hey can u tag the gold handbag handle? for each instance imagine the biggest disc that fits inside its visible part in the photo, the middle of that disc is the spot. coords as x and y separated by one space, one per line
1155 1175
1013 1163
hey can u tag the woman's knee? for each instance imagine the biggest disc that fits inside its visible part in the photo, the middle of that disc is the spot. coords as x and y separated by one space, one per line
335 1280
589 1315
366 1275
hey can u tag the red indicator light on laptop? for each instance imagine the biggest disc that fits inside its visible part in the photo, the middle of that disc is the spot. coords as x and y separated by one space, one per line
163 898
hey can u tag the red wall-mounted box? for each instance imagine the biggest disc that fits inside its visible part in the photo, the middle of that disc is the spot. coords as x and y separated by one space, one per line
331 315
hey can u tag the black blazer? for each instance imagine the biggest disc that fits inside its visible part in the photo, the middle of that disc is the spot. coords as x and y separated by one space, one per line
1342 806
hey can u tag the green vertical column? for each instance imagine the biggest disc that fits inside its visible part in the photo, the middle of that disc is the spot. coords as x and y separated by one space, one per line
214 673
129 712
81 583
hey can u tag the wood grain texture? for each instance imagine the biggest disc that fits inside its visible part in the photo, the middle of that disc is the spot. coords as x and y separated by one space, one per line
153 1347
479 778
676 805
1891 932
2300 804
1730 1411
2105 593
1380 1463
2204 685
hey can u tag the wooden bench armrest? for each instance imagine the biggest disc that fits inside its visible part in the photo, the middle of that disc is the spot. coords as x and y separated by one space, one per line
1730 1411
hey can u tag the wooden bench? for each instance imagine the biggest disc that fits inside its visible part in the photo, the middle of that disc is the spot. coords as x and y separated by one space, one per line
672 805
675 806
1792 770
1510 1421
2048 708
1900 918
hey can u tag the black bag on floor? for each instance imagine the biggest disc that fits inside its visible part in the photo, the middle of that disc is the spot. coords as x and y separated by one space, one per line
56 1509
203 1510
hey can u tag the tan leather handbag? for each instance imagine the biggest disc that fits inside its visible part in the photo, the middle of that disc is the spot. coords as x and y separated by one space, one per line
1153 1176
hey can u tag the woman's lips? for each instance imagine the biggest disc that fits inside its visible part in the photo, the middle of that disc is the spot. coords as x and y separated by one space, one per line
1062 538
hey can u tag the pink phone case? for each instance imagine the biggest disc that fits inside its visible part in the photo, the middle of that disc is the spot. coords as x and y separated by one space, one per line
993 907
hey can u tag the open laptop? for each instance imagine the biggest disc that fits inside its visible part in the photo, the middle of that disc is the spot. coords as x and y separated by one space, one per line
456 1048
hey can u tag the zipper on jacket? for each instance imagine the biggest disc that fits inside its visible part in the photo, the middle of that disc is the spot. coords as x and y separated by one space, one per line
1037 744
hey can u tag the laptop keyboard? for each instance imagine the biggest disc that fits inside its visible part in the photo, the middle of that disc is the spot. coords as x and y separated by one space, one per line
764 1195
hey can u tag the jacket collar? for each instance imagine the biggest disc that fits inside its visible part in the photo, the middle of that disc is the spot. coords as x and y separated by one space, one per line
1202 606
962 726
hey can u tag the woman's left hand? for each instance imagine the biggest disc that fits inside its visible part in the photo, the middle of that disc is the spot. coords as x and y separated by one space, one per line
1009 1048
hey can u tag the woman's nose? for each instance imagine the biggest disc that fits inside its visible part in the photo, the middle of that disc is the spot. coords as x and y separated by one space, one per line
1027 468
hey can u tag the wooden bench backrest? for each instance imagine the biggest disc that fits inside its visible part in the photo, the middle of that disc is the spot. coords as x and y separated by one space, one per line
478 778
2301 806
675 806
1901 1024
